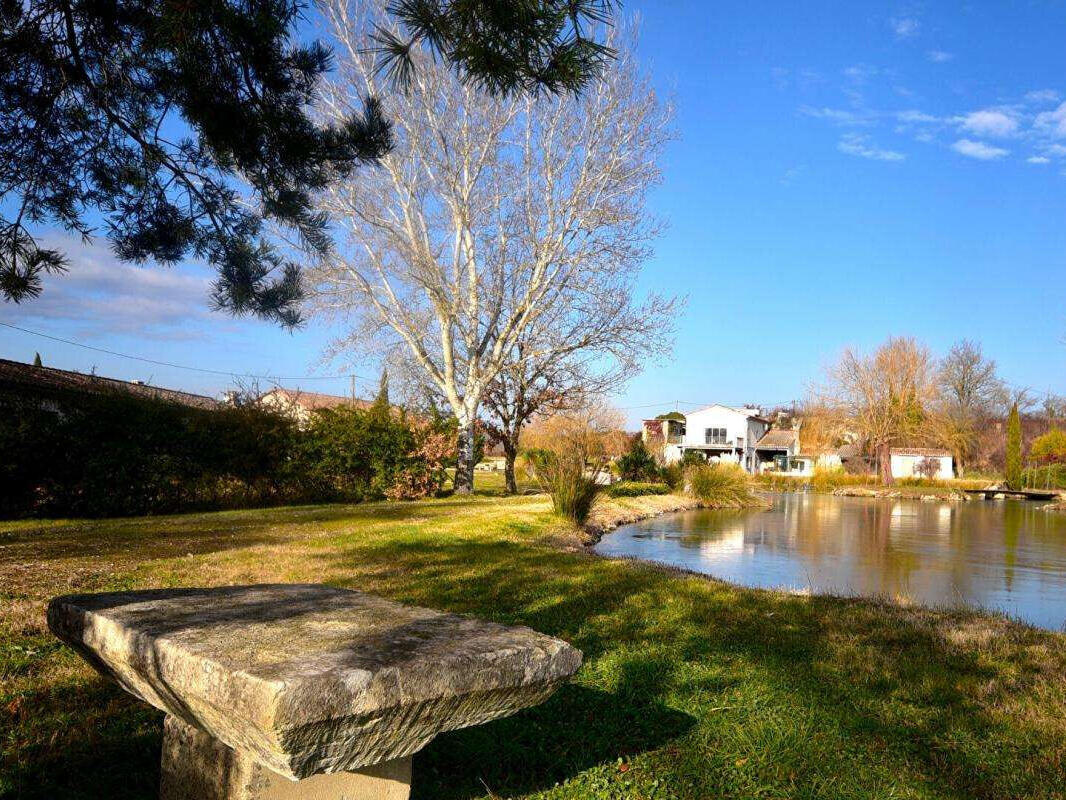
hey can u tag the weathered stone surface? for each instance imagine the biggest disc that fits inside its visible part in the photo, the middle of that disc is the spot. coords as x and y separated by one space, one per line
196 765
309 679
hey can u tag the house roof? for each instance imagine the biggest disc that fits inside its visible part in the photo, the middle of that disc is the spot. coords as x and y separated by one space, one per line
778 439
852 450
919 451
747 412
313 401
26 377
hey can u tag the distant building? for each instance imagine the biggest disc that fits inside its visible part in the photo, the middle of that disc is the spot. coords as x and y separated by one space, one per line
921 462
301 405
28 380
716 433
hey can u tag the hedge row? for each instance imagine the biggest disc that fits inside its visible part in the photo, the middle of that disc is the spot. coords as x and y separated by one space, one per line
112 454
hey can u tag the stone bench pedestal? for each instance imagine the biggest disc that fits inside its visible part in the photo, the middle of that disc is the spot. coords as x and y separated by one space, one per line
196 765
304 692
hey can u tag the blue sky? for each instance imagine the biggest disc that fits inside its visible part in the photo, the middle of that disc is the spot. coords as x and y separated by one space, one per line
843 173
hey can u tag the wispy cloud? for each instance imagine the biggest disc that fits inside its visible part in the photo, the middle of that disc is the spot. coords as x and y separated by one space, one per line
939 56
914 115
855 144
978 150
792 174
1052 123
1038 160
108 296
838 116
989 122
1043 96
904 27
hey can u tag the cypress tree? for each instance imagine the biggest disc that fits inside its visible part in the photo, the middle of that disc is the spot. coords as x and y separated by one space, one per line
37 360
381 407
1014 449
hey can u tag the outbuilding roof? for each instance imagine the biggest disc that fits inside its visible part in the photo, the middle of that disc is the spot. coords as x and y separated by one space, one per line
777 439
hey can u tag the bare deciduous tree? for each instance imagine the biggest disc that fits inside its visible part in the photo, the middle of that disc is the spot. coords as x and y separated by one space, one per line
887 396
970 393
597 353
494 221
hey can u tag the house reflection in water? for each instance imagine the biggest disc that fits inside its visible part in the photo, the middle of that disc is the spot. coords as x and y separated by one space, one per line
1003 555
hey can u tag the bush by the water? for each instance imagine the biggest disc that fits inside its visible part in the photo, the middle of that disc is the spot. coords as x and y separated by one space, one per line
636 489
637 464
563 476
116 454
822 480
719 485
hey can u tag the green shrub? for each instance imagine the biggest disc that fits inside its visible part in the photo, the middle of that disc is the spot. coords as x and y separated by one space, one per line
1050 448
573 491
719 485
636 489
692 458
638 464
1049 476
674 476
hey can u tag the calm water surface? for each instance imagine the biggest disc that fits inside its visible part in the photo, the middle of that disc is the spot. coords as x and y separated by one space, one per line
1007 555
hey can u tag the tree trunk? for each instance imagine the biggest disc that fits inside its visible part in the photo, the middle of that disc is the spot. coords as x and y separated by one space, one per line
510 453
464 465
884 459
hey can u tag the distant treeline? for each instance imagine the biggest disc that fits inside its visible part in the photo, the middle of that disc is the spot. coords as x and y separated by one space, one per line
73 453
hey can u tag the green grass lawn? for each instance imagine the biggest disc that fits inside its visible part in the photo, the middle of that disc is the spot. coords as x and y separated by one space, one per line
691 688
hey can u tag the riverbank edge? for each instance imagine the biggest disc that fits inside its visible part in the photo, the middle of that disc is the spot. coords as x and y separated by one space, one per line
612 513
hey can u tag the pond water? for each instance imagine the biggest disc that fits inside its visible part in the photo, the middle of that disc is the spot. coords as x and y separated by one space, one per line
1007 555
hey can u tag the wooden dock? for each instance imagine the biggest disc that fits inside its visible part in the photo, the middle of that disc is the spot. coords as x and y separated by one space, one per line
1028 494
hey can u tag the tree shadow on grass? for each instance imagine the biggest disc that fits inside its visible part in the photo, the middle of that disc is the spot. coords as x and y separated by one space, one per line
118 758
576 729
103 744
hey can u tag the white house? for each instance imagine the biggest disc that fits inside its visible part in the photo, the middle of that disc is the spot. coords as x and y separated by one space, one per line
301 405
921 462
717 433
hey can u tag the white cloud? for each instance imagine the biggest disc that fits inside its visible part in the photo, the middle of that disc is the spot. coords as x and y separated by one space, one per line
939 56
978 150
860 73
1053 122
857 145
837 116
1043 96
1038 160
989 122
915 116
1056 149
904 27
108 295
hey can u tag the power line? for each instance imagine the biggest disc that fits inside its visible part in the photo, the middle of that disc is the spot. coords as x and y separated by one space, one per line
183 366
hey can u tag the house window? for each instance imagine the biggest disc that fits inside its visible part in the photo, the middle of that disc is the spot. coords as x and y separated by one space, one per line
714 436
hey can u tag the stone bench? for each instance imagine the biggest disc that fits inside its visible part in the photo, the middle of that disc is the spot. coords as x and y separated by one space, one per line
304 692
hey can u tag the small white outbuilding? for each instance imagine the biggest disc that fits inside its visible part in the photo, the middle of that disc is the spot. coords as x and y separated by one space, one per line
922 462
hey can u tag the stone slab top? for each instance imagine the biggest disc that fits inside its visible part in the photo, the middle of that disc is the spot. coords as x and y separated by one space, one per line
308 678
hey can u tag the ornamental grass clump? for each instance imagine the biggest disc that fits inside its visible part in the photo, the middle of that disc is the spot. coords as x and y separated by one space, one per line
572 488
719 485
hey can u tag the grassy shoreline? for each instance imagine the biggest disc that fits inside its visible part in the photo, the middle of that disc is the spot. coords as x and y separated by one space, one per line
692 687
